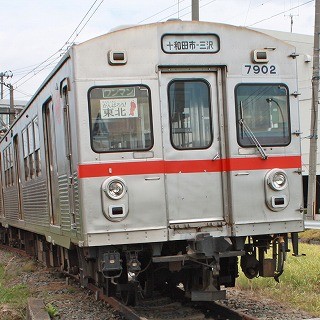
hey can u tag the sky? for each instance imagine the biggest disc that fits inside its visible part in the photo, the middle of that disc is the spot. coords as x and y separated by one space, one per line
35 33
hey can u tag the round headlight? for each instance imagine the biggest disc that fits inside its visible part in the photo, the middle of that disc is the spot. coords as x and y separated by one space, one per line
279 180
116 189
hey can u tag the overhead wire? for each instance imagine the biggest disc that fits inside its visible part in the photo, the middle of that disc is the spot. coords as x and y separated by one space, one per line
185 8
275 15
156 14
25 70
53 58
75 30
48 62
88 21
245 21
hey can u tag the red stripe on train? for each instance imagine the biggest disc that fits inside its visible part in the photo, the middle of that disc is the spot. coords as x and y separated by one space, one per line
185 166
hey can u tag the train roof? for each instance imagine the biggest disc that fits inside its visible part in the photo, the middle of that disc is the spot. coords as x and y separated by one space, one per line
224 32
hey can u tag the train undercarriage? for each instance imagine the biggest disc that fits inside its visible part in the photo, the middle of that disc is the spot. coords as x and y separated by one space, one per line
201 269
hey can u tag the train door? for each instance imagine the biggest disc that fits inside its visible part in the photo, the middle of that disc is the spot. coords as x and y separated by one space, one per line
49 140
17 181
67 135
192 146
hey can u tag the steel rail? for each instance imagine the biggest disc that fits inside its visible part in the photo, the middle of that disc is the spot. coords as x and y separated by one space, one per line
212 309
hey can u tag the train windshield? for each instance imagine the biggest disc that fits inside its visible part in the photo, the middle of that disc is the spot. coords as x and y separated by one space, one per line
190 115
120 118
262 115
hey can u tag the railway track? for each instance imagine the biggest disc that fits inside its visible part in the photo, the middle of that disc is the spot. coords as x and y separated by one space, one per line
161 307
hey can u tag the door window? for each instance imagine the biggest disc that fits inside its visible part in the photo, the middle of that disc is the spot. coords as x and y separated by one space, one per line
190 115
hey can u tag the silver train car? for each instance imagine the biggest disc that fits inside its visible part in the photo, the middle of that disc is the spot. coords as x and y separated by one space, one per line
158 155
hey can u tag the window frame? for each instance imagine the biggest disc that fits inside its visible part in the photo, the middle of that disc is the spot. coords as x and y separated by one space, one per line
150 118
252 145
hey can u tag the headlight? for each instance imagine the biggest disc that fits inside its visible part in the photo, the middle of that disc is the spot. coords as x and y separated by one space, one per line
115 189
278 180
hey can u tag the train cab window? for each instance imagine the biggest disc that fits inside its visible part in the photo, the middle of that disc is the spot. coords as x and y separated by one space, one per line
190 115
120 118
263 114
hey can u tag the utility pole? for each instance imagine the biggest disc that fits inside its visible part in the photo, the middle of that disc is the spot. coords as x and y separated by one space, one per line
1 84
312 181
291 22
195 10
12 111
6 74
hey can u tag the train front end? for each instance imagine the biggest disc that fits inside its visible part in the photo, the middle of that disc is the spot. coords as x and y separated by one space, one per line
193 153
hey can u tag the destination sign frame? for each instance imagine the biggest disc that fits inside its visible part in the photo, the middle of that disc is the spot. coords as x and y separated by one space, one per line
190 43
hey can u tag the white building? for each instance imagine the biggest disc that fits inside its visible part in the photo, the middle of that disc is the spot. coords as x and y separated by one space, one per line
5 109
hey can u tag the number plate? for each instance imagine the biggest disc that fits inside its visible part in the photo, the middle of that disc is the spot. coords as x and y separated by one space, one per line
260 70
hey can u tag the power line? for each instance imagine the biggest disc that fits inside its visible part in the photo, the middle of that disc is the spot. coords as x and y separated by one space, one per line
62 49
185 8
278 14
75 30
25 70
87 21
154 15
175 13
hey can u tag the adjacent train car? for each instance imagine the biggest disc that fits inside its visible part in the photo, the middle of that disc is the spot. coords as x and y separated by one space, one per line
155 156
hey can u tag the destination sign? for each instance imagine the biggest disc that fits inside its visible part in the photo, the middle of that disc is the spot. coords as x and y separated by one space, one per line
190 43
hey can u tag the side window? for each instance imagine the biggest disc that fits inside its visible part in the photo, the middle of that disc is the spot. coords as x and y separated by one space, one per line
120 118
31 150
25 142
37 156
262 112
190 114
8 165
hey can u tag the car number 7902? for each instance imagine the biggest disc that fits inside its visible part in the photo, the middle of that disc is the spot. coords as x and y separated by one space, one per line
252 69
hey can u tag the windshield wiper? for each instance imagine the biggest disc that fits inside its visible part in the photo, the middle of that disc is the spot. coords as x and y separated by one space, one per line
250 134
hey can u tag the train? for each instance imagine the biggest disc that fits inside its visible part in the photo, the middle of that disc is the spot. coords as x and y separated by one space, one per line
155 157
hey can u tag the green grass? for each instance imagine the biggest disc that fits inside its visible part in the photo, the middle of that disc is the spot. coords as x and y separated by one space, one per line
13 296
299 285
16 295
52 310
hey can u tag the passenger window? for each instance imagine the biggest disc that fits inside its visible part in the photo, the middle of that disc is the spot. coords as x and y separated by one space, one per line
190 114
37 157
25 142
120 118
263 114
8 165
31 150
